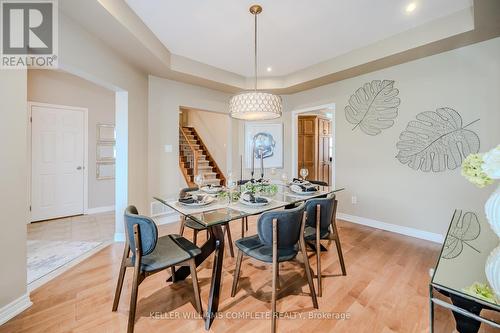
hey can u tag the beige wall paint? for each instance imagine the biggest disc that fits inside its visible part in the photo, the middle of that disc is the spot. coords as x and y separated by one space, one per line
165 98
214 130
85 55
13 184
55 87
466 79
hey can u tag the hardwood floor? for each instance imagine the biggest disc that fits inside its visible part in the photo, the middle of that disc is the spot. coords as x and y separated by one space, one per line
385 290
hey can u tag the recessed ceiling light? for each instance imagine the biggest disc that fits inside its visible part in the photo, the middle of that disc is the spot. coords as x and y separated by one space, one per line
269 69
411 7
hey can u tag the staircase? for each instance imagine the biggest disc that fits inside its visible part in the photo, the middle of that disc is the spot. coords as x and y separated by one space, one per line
194 158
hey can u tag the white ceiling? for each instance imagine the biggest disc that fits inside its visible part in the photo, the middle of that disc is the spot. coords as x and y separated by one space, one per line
293 34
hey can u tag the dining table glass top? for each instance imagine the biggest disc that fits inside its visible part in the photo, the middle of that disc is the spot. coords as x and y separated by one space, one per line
222 210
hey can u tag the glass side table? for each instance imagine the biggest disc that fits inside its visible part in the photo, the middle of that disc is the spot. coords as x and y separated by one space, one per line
468 243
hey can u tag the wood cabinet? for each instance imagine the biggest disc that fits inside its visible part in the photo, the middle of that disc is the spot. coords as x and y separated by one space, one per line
314 151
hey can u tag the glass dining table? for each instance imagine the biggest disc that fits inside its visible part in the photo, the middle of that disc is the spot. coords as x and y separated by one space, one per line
222 212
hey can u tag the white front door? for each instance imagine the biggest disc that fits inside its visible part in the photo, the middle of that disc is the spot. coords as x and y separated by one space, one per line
57 177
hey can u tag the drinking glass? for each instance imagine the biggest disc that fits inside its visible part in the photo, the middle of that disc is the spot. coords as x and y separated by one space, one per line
230 184
284 178
199 179
304 172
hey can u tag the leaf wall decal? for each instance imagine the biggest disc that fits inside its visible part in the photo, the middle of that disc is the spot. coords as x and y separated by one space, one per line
436 141
463 228
373 107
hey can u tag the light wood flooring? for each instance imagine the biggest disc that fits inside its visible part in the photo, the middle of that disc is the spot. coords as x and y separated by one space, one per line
385 290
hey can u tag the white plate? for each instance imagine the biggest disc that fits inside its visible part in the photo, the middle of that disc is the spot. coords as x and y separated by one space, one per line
256 204
211 190
208 201
297 190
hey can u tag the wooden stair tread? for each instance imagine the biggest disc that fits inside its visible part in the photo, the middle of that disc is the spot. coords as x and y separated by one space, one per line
206 165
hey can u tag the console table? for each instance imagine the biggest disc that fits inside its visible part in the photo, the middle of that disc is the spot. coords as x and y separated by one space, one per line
468 243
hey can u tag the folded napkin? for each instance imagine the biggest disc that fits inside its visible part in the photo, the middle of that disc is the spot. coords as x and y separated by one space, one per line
300 181
304 188
192 199
249 197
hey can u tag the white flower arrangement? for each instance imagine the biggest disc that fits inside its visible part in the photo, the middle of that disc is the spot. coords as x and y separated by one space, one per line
482 169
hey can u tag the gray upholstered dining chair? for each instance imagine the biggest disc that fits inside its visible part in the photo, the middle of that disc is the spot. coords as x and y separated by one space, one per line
321 225
280 237
152 254
197 227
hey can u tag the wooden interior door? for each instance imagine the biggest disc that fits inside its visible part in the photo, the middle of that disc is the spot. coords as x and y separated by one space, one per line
307 147
324 150
57 180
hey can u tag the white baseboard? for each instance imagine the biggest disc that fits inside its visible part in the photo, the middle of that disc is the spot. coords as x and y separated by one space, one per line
14 308
412 232
98 210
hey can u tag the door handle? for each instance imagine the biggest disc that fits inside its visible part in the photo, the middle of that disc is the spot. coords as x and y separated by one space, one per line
78 168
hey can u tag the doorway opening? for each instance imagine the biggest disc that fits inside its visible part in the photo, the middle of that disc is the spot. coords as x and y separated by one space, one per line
313 143
78 131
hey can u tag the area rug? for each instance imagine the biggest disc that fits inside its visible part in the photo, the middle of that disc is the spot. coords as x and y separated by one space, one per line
45 257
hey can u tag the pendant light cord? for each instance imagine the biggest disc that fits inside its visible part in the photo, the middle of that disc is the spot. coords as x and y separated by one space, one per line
255 54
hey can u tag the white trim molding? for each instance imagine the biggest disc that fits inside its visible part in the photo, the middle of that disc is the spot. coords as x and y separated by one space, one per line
14 308
98 210
412 232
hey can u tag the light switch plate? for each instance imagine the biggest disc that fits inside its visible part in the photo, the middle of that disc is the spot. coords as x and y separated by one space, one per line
168 148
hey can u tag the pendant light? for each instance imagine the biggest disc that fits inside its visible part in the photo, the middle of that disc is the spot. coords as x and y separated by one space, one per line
255 105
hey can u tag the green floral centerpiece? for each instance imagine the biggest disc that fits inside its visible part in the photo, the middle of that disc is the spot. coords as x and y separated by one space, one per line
262 188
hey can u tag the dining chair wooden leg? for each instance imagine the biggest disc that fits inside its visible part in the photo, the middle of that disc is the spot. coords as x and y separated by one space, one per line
136 281
336 237
172 270
196 287
236 275
302 248
195 236
227 230
181 228
121 276
275 275
318 249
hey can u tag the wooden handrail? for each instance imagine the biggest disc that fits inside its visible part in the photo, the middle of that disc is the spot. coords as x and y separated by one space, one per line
217 169
195 153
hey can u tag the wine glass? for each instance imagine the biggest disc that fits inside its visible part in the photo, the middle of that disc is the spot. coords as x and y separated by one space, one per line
284 178
304 172
199 179
230 184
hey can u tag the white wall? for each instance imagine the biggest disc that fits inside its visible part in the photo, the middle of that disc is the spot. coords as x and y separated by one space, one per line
466 79
13 185
165 98
56 87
